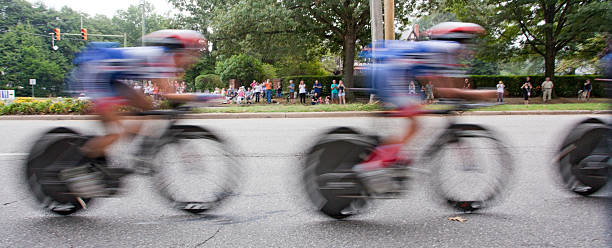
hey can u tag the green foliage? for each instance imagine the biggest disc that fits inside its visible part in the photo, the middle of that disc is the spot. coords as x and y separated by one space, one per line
29 106
208 82
325 81
206 65
565 86
269 71
243 68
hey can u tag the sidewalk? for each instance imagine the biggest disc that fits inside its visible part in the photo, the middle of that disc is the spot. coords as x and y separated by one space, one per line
305 115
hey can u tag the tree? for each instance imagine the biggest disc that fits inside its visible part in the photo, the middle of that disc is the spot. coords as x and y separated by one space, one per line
343 24
130 22
243 68
550 26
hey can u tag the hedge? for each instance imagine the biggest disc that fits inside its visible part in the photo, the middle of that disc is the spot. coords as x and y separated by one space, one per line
325 81
565 86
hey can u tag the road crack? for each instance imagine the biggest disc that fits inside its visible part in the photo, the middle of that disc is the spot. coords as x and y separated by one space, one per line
209 238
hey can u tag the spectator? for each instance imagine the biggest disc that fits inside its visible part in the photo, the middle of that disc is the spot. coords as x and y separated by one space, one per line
341 93
327 100
253 84
257 91
334 91
429 92
302 91
291 91
316 87
466 84
526 87
547 87
412 88
155 92
241 95
269 91
587 89
500 91
279 91
315 99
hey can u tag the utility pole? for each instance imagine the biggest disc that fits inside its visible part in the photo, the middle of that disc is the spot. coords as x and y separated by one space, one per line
389 17
377 28
143 22
376 19
81 21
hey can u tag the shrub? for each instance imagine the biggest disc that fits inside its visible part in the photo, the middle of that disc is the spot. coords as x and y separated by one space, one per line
325 81
243 68
565 86
208 82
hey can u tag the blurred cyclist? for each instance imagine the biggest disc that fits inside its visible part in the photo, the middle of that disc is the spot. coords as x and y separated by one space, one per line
102 73
394 65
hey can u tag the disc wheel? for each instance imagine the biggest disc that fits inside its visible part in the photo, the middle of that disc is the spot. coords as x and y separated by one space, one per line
583 157
55 151
328 178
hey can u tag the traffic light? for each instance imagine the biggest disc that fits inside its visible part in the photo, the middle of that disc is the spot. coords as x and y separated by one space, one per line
56 31
84 33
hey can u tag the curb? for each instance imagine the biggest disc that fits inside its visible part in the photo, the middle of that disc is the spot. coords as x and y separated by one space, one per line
304 115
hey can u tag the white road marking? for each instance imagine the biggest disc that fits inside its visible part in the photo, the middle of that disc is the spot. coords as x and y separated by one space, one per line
12 154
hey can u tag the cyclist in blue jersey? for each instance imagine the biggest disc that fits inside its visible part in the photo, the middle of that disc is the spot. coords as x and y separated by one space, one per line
102 72
395 63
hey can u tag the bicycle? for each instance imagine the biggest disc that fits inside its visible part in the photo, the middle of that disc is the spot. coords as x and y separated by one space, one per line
337 191
64 182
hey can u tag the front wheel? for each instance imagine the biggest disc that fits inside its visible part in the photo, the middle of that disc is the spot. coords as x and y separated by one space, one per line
194 169
471 167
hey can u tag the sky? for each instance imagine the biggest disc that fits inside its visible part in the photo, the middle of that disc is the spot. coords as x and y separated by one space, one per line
105 7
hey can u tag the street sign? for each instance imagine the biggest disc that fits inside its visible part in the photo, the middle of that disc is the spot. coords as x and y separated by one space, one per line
32 81
7 94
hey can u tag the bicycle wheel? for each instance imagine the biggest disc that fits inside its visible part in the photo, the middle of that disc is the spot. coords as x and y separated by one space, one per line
328 178
583 157
52 153
194 169
471 168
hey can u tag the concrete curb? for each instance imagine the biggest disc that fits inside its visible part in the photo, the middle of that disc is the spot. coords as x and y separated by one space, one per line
304 115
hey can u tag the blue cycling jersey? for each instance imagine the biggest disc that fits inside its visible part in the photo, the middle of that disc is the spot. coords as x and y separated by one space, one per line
394 64
99 67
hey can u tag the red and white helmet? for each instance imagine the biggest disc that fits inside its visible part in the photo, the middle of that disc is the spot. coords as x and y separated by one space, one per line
176 39
455 31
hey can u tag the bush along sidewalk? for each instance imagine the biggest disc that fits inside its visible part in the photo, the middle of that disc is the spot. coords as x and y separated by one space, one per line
29 106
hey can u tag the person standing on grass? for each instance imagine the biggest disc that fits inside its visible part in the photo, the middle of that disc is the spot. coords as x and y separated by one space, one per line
526 87
500 91
429 91
547 87
316 87
257 91
341 93
334 91
291 91
302 91
269 91
587 89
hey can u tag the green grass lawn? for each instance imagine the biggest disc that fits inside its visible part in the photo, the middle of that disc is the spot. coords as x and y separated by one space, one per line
559 106
291 108
376 107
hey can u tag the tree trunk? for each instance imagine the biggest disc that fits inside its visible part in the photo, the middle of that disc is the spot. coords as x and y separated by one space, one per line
349 58
549 43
